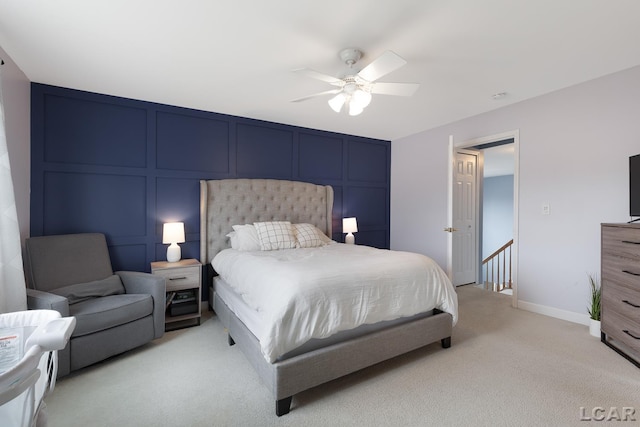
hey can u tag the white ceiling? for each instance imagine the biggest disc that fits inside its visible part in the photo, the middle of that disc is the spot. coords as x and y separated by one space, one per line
236 56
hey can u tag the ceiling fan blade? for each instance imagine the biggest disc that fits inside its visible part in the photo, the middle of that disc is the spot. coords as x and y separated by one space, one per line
319 76
382 65
326 92
398 89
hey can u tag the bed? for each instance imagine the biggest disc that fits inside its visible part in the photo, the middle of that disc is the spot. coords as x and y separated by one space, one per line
229 202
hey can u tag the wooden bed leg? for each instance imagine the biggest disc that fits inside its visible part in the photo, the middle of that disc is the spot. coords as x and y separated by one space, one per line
283 406
446 342
230 340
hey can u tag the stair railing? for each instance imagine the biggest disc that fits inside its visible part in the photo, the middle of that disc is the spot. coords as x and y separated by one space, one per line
498 269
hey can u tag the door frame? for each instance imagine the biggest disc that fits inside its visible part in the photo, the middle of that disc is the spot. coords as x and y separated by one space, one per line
515 134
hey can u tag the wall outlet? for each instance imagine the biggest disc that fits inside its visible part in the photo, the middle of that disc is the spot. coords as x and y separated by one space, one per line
546 208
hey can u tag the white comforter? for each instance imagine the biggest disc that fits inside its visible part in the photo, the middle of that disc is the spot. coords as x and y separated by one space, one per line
302 294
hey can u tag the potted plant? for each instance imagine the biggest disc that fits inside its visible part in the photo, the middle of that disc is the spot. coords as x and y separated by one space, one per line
594 306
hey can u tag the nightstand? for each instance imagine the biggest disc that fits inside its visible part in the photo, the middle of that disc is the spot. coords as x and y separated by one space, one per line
183 294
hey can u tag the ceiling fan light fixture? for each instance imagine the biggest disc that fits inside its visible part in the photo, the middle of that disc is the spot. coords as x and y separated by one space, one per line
354 108
355 89
337 102
361 98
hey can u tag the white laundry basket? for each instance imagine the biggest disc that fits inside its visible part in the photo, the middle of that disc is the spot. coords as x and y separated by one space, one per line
29 341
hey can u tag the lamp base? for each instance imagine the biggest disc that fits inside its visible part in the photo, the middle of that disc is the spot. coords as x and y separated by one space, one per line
350 239
174 253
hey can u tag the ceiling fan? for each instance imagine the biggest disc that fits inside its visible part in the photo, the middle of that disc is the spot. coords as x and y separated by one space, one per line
354 90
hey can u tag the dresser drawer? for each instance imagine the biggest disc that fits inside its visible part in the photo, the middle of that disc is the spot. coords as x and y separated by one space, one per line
624 271
622 329
180 278
621 300
623 241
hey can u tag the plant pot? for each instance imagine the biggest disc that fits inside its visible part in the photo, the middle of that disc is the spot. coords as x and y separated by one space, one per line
594 328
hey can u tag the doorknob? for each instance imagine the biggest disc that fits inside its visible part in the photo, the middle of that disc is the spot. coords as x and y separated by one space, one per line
450 229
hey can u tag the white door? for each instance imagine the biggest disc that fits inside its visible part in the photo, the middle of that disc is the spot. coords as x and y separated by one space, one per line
465 205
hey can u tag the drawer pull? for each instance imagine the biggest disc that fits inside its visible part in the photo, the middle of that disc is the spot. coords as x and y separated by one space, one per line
630 303
630 242
631 273
178 278
630 334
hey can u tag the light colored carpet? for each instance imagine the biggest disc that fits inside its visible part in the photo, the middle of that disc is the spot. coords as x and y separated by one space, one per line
505 367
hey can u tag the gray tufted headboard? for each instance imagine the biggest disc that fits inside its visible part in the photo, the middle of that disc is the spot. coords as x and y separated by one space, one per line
226 202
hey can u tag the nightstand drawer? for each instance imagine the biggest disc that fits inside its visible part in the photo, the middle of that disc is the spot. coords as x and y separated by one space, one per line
180 278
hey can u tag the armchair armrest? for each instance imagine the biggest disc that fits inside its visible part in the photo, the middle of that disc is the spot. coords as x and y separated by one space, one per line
136 282
40 300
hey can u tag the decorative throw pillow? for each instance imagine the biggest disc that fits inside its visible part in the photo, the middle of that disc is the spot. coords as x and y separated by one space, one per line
245 238
275 235
309 236
79 292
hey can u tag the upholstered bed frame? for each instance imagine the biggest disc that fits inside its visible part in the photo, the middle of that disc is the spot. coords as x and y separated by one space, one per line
227 202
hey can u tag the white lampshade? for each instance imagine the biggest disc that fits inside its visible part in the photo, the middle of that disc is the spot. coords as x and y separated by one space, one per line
361 98
353 97
349 226
354 108
173 233
337 102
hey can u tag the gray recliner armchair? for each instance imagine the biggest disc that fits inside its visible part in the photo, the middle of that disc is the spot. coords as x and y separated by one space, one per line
115 312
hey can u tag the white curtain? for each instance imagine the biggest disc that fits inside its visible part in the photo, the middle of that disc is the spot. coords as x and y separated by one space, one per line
13 296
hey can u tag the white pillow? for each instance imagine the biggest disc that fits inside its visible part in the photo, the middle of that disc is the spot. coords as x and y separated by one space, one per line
275 235
309 236
244 238
233 239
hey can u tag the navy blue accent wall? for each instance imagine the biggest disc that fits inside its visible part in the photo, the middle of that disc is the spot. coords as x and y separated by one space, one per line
124 167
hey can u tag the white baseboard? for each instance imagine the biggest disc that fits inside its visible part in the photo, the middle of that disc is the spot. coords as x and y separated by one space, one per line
569 316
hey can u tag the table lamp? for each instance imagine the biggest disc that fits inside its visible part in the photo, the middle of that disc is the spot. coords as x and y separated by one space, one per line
173 233
349 226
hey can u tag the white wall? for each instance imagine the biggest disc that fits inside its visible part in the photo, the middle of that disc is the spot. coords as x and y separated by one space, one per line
574 150
16 96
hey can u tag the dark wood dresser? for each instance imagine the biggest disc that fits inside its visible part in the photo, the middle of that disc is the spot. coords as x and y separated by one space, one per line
620 315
